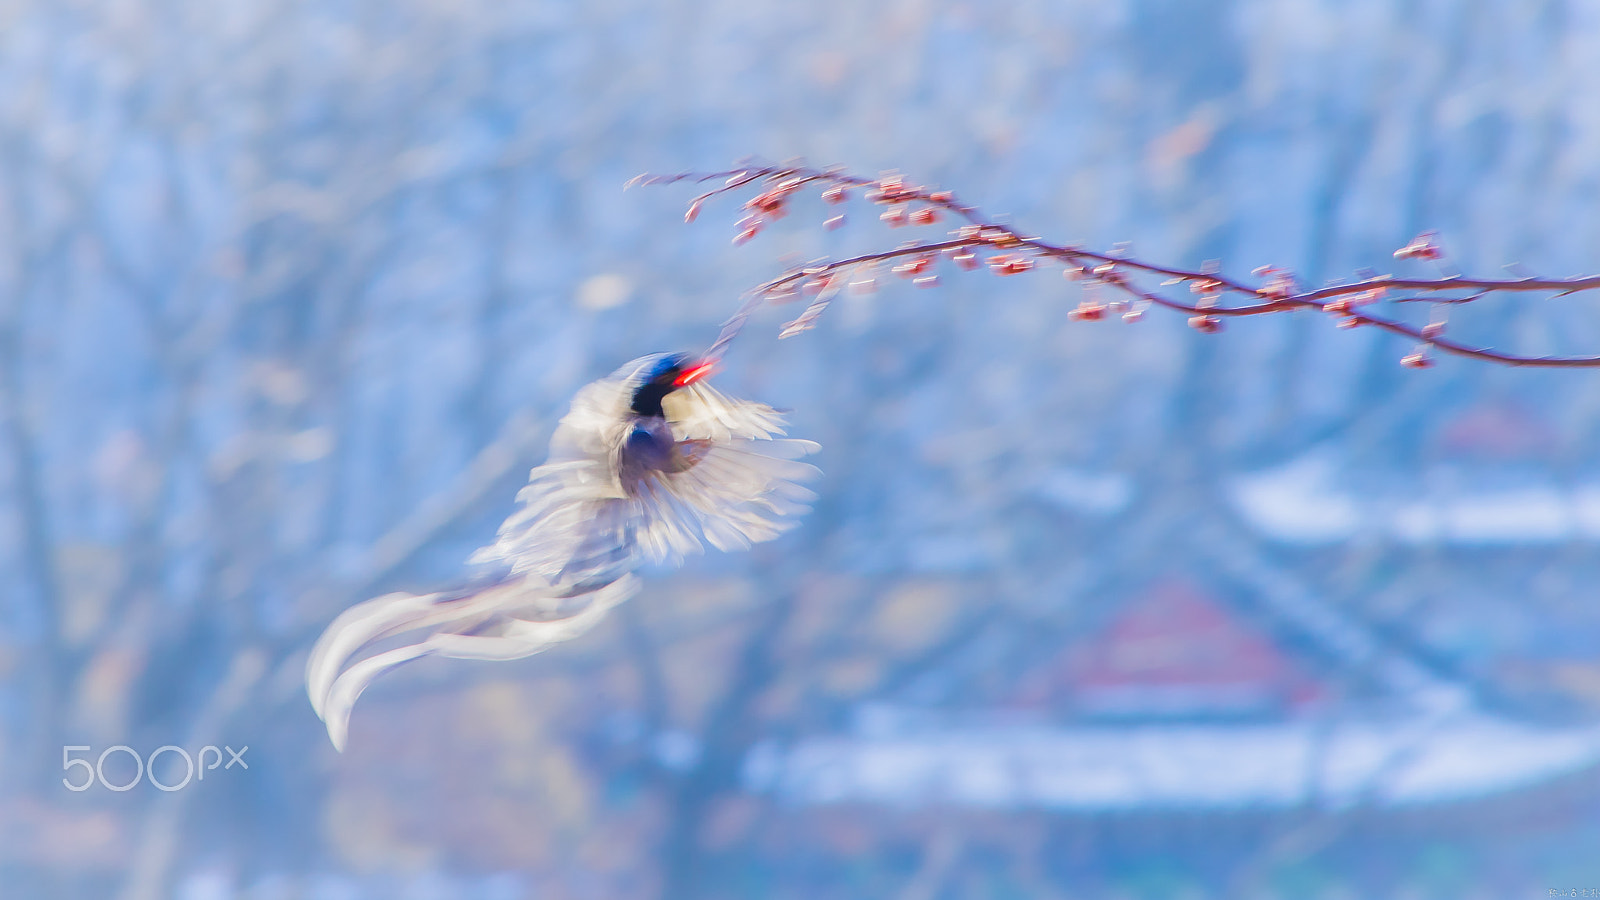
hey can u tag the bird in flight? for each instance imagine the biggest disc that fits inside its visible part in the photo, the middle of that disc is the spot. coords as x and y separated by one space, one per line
650 464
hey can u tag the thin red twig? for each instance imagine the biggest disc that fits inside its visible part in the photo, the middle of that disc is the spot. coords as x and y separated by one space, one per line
1007 251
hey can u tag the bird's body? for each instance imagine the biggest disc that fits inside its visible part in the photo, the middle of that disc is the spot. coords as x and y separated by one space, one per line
648 465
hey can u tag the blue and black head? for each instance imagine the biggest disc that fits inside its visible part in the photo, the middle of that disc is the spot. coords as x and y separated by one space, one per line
668 373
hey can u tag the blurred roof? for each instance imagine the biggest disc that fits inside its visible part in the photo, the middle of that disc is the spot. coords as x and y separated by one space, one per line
1173 650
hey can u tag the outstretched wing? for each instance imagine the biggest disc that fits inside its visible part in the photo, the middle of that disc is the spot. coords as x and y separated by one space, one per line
739 492
580 523
701 412
740 486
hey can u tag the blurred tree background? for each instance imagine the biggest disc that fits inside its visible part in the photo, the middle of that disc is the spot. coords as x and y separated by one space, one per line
292 294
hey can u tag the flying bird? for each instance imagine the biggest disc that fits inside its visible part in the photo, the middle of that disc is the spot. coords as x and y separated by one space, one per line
648 466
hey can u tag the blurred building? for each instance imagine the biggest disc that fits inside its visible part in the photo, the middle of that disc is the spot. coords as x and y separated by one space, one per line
1183 701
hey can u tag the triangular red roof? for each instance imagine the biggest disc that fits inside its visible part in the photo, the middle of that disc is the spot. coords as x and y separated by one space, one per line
1497 431
1173 651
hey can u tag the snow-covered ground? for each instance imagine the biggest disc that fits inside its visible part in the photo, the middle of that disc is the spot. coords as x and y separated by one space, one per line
1306 502
1383 761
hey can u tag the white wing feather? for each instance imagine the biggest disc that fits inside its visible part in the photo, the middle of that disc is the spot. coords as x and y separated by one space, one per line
578 519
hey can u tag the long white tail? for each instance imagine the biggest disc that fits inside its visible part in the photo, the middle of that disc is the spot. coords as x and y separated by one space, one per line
485 624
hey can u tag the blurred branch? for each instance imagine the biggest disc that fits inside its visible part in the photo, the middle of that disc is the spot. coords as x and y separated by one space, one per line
724 742
1321 826
940 854
984 243
1339 630
276 669
33 254
159 836
37 550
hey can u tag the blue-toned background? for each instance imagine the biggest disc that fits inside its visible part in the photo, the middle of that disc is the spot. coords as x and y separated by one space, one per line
292 294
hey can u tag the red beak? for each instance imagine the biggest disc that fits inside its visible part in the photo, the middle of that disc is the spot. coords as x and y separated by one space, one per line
694 373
